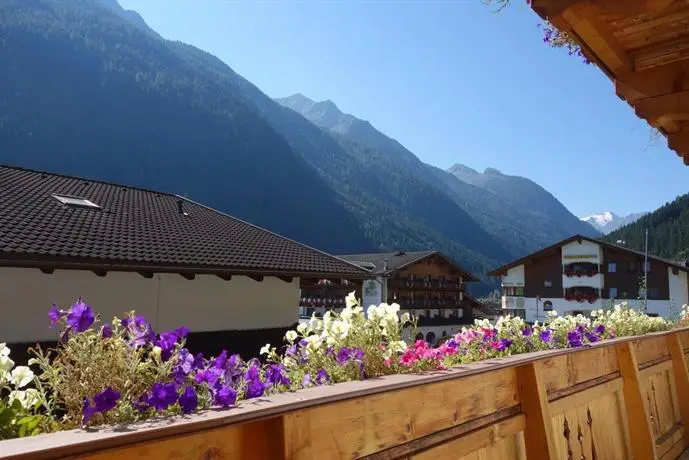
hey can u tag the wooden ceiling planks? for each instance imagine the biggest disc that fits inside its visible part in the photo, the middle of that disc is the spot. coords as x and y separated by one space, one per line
643 46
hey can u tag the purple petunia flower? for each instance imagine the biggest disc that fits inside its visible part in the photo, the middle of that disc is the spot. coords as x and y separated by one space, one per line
254 389
80 316
527 331
225 396
198 361
591 337
87 412
303 342
162 395
322 377
275 375
106 331
140 331
188 400
600 329
54 314
306 381
185 361
343 356
546 335
209 376
574 339
141 404
357 354
106 400
220 360
252 373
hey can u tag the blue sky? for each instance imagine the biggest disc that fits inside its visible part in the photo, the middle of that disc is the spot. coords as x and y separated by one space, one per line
452 81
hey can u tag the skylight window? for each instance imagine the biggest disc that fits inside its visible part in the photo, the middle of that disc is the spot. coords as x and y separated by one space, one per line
76 202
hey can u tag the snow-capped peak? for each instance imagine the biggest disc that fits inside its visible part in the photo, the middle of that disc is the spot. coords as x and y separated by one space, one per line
607 221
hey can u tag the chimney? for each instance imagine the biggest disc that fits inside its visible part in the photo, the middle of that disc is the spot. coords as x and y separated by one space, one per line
180 208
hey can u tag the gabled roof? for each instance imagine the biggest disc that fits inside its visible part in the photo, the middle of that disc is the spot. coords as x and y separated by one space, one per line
137 229
541 252
385 263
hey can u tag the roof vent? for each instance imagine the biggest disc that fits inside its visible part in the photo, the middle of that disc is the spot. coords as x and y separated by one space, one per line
76 202
401 253
180 208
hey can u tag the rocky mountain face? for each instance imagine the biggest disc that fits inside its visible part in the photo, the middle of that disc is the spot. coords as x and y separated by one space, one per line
608 221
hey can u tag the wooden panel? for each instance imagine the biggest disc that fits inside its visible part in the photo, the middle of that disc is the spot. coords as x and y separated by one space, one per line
501 440
256 440
661 400
538 436
565 371
636 414
651 349
593 430
362 426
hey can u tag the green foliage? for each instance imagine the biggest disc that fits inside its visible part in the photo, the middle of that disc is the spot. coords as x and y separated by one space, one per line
668 231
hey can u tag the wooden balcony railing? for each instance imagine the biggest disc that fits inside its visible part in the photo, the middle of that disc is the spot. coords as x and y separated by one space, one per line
615 400
425 285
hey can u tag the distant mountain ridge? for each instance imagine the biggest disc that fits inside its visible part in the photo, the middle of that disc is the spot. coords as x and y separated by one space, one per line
518 213
608 221
668 231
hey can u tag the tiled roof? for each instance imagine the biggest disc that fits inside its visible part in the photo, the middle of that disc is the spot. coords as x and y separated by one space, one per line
138 228
384 263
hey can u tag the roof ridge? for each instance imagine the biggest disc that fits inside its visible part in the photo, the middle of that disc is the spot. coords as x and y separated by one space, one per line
268 231
98 181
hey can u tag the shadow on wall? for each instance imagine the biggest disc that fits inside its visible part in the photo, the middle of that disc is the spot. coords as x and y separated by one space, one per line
246 343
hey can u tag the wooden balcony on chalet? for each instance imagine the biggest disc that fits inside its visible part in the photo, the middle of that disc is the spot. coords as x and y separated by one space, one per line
432 284
615 400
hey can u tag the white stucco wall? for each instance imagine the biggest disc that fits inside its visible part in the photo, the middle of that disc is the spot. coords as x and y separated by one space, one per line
206 303
679 288
514 276
586 251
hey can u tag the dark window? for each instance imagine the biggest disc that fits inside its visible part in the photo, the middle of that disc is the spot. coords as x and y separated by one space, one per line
547 283
612 267
653 315
653 293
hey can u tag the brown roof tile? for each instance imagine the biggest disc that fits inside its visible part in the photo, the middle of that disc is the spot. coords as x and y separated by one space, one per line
136 228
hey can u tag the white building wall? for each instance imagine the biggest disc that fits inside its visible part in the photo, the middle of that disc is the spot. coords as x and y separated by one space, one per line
206 303
679 288
514 276
586 251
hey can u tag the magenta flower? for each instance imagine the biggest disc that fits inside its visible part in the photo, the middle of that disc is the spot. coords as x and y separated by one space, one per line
162 395
225 396
80 316
188 400
106 400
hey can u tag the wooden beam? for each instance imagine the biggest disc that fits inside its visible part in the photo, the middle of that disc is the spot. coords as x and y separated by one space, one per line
538 435
146 274
658 81
286 279
661 54
224 276
653 108
257 278
637 415
189 276
681 374
679 142
583 19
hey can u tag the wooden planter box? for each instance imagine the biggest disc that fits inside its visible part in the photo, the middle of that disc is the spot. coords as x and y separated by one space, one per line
619 399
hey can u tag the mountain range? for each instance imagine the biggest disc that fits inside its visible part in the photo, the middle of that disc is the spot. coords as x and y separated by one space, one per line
90 90
608 221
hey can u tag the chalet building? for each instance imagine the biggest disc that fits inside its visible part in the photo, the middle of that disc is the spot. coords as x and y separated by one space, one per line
581 274
427 284
177 262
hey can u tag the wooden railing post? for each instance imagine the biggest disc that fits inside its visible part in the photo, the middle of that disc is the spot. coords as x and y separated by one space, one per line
538 435
637 415
679 368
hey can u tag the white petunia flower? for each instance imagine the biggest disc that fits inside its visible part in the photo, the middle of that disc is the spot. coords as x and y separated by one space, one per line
291 336
265 349
21 376
4 350
6 364
405 318
301 328
351 300
27 398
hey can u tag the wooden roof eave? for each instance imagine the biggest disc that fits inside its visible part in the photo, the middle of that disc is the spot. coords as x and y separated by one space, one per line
652 78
